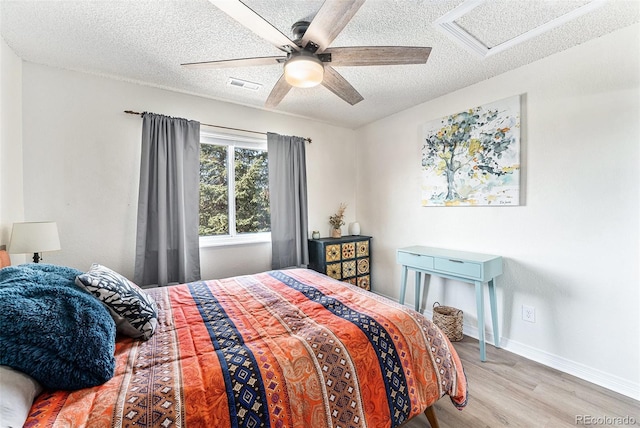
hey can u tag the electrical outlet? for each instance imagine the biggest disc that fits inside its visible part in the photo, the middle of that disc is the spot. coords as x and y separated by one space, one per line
528 313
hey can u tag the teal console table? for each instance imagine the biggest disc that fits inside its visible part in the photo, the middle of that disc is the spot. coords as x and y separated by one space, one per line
474 268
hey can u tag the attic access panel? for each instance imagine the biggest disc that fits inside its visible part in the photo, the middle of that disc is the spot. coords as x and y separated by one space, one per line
486 28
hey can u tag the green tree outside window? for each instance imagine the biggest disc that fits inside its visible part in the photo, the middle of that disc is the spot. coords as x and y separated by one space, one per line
250 183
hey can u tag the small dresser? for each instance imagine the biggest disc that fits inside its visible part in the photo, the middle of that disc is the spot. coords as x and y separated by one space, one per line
346 259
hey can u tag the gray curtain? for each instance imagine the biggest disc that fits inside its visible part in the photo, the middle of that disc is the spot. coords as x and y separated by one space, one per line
167 247
288 200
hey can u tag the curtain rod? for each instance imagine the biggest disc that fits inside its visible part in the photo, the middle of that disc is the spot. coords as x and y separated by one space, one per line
218 126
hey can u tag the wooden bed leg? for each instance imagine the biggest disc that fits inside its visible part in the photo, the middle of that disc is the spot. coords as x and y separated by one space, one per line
431 417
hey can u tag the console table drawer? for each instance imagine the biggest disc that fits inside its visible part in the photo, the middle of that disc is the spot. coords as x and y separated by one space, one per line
415 260
458 267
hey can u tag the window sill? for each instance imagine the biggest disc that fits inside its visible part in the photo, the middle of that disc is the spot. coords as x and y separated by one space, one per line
228 241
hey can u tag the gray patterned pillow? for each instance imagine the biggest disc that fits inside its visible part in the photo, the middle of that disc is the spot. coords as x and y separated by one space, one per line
132 309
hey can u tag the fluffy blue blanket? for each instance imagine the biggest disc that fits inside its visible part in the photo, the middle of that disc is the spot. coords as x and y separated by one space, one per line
49 329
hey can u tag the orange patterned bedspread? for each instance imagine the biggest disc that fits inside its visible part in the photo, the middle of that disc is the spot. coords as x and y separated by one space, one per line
288 348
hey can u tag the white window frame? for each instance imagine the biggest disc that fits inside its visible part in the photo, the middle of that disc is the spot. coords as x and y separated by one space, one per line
232 141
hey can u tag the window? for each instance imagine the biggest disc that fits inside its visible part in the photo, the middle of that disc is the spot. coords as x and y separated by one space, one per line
234 201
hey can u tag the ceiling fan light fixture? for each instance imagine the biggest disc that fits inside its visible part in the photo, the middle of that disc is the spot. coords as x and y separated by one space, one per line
303 71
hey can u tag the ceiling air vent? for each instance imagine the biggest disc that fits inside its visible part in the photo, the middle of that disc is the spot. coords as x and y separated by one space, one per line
244 84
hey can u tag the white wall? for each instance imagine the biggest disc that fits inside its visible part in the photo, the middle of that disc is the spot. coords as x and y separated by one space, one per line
571 249
11 200
82 157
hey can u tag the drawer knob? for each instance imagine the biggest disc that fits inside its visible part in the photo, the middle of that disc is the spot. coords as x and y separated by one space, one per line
456 261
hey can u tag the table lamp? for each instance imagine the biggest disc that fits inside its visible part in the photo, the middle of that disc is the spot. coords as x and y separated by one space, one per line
34 237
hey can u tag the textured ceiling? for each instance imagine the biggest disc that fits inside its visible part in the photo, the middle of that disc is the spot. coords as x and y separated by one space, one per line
146 41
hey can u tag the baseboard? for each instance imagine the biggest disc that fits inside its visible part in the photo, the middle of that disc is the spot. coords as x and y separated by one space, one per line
606 380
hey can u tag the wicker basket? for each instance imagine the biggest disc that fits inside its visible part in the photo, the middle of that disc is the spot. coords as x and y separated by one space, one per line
449 320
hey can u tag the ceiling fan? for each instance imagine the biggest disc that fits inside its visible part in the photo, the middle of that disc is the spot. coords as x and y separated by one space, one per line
309 60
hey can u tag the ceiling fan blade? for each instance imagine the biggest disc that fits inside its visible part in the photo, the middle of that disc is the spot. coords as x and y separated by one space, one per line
378 55
332 17
241 62
339 86
254 22
278 92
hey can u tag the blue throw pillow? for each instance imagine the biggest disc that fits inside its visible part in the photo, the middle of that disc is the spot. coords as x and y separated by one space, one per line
51 330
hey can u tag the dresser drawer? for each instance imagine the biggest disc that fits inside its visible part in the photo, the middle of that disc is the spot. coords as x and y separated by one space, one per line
458 267
415 260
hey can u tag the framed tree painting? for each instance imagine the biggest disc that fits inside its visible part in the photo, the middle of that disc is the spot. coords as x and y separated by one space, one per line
472 158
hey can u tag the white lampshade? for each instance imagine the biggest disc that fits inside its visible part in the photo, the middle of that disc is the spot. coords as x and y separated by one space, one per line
303 71
34 237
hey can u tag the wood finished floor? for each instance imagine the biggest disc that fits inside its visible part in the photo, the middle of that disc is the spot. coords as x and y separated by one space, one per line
510 391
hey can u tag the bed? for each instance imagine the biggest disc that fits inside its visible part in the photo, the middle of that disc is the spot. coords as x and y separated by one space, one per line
289 348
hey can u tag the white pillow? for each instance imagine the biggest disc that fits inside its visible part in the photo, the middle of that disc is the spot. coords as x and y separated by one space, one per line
17 392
